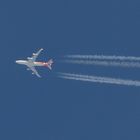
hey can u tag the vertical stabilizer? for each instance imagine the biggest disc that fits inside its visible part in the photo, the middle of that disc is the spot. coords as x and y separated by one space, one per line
50 62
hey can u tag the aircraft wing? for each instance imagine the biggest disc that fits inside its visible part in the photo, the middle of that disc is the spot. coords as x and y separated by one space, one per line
35 55
34 71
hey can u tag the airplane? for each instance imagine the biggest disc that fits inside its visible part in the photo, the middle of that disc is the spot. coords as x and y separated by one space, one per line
31 63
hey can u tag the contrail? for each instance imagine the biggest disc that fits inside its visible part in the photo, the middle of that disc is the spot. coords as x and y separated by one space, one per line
103 63
104 57
97 79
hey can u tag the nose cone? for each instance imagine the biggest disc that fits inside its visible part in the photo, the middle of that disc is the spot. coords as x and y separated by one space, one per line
17 61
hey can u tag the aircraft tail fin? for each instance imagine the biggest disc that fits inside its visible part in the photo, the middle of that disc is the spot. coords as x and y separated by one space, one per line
49 64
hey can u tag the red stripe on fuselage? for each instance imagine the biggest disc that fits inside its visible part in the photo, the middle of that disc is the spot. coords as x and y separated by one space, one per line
41 63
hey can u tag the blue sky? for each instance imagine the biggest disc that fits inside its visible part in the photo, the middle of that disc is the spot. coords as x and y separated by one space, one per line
58 109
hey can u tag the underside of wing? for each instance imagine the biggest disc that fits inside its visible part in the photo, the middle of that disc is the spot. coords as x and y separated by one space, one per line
34 71
35 55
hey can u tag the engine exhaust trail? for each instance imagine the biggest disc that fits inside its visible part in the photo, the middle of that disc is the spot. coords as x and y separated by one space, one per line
97 79
104 57
103 63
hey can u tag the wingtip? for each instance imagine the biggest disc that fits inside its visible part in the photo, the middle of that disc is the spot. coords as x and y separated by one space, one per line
39 76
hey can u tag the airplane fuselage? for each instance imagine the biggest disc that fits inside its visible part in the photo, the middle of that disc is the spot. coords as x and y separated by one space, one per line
27 63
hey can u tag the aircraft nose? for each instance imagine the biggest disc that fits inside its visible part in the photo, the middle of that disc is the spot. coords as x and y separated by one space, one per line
17 61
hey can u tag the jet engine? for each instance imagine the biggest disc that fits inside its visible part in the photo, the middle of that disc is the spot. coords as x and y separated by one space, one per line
34 54
29 58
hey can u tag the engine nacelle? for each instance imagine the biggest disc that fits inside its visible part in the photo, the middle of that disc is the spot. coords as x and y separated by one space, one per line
29 58
34 54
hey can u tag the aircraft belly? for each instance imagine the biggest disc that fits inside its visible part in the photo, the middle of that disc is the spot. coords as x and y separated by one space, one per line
39 63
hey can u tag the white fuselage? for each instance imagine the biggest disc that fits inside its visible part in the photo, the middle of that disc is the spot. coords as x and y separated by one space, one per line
27 63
